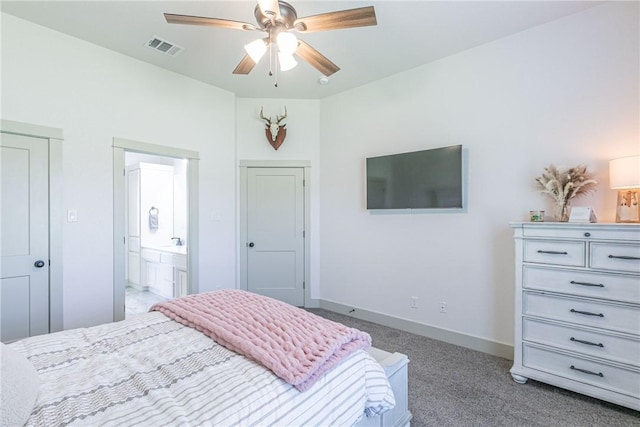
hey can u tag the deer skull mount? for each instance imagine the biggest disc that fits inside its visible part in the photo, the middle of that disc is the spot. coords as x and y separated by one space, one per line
274 131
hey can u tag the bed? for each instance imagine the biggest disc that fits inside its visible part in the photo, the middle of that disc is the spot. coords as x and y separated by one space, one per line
164 369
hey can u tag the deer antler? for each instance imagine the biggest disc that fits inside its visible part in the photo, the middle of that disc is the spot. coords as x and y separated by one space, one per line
268 120
280 118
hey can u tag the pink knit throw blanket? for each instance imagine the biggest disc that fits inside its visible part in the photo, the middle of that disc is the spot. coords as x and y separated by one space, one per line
296 345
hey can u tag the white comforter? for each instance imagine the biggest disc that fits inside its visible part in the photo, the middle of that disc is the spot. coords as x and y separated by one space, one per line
152 371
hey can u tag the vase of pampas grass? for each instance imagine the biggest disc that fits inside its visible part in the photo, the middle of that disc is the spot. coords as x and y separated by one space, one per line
563 185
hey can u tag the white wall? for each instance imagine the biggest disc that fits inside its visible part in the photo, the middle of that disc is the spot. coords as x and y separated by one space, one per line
93 95
563 93
301 143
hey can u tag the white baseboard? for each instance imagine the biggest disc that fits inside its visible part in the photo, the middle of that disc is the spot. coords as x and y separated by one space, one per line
451 337
312 303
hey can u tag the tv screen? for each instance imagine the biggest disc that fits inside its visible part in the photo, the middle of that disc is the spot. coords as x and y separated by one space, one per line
427 179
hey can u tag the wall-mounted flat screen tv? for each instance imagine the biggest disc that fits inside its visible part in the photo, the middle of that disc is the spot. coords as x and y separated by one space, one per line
427 179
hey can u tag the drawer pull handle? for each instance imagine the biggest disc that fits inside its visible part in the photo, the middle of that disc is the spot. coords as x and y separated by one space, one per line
597 285
587 313
587 342
556 252
623 257
599 374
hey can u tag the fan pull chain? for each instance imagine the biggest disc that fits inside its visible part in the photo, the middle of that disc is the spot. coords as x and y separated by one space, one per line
272 60
270 54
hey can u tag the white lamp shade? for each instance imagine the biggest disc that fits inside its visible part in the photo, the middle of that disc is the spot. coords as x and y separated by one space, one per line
287 42
256 49
624 172
287 61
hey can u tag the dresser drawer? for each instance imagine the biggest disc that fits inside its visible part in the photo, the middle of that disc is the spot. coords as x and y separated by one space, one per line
600 374
585 341
556 253
596 285
581 231
611 316
615 257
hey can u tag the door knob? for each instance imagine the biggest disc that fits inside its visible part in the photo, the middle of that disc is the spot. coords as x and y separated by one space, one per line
251 244
39 263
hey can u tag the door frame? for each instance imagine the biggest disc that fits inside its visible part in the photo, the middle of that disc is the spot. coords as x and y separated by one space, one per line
120 146
242 242
53 138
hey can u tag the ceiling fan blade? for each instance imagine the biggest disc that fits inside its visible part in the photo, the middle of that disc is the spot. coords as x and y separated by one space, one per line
316 59
245 66
360 17
210 22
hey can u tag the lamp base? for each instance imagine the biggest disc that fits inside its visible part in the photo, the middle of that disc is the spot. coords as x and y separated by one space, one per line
628 209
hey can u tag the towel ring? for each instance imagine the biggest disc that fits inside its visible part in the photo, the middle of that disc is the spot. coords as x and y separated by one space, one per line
153 211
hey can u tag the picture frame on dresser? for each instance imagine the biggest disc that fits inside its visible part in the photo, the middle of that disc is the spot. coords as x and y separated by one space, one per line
577 308
582 214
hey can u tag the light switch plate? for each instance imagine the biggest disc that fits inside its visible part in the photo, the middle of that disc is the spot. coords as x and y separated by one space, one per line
72 215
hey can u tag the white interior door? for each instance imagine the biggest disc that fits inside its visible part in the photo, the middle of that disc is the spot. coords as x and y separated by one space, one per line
275 233
24 237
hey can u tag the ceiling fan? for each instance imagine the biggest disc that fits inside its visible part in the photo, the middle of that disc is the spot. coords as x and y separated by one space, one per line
279 19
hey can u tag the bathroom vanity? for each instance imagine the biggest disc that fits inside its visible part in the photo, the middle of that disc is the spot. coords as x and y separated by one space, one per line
164 270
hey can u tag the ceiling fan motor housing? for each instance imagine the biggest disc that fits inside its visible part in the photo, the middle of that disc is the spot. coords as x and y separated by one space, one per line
287 16
286 19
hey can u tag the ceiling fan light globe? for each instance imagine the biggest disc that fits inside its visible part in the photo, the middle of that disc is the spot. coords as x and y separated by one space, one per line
256 49
287 61
287 42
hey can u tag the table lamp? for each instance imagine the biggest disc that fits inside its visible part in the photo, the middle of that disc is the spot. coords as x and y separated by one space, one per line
624 176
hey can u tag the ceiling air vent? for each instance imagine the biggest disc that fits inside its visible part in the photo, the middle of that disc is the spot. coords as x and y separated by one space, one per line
168 48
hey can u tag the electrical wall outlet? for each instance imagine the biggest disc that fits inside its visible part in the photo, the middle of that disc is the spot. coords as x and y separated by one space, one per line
414 302
443 307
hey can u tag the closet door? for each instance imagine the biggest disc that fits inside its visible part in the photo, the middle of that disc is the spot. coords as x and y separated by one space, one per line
275 233
24 237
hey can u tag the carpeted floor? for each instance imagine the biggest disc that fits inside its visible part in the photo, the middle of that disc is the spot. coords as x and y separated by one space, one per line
454 386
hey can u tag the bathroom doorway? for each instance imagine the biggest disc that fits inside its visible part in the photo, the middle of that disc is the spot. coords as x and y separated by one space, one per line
155 223
156 245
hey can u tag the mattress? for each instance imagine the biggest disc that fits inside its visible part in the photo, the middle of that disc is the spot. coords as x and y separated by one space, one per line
151 370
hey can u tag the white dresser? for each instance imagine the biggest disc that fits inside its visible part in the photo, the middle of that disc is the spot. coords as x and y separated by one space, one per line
577 308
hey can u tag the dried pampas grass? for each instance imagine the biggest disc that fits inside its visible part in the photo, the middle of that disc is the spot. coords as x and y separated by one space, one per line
565 184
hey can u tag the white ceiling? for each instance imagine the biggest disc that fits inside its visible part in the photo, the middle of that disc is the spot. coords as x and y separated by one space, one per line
408 34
